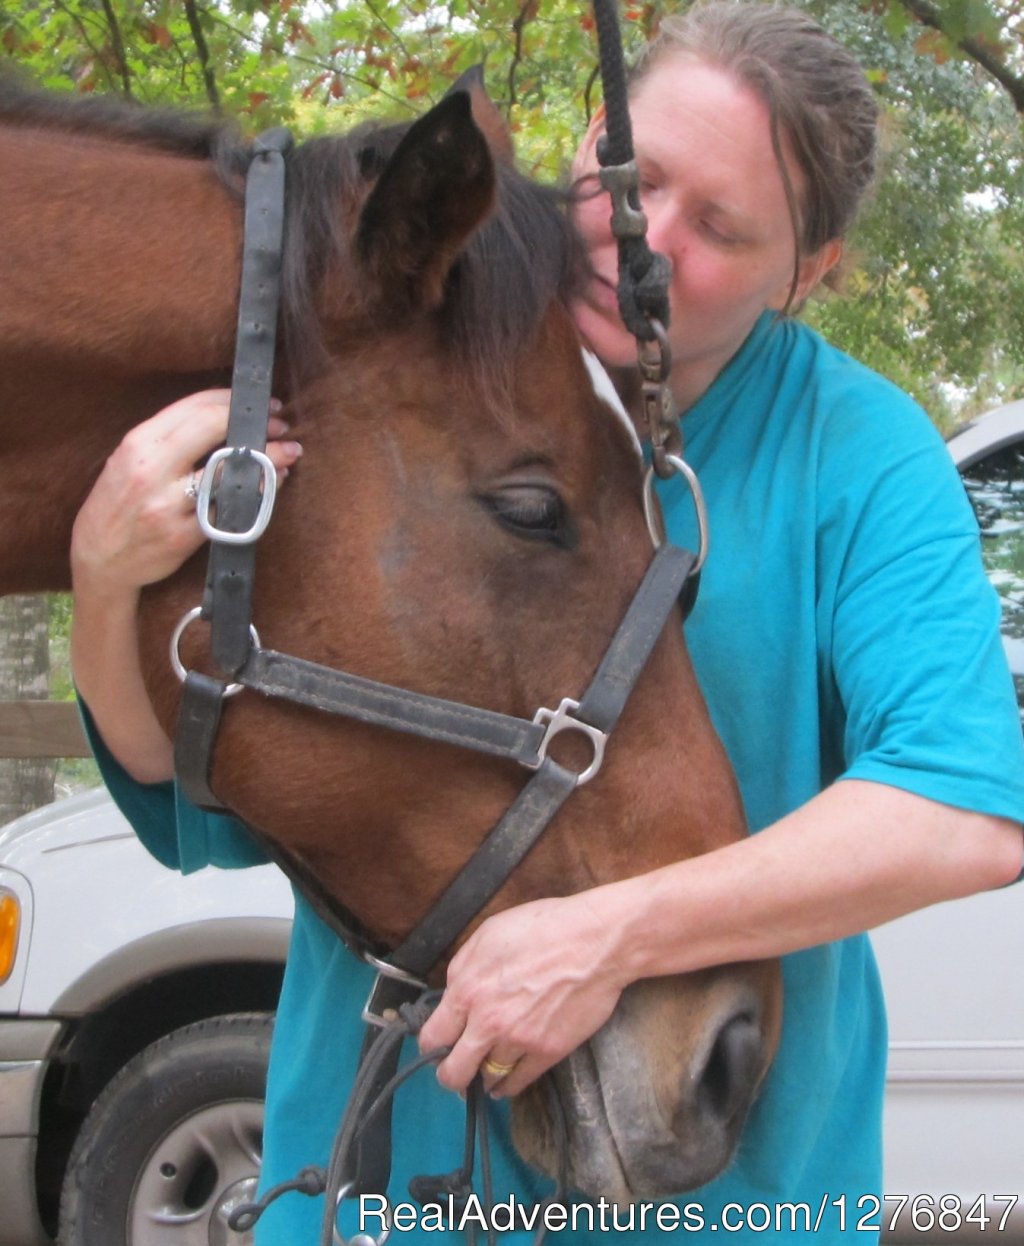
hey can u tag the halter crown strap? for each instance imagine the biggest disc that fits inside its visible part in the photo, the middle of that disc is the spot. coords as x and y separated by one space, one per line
228 601
243 468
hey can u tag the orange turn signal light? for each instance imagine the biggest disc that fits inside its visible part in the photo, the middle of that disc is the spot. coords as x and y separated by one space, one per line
10 923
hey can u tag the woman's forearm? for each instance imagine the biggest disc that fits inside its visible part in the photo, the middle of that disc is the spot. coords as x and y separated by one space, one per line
534 982
105 661
856 856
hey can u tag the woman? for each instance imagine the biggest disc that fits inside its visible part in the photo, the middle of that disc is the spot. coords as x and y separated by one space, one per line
853 665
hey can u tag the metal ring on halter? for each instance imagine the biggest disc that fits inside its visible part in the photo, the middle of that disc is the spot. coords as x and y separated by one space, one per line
652 510
179 666
361 1238
387 970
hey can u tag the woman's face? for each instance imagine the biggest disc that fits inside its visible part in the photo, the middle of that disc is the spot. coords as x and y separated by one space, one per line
716 206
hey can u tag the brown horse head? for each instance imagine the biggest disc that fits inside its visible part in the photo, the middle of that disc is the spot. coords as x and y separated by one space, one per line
466 522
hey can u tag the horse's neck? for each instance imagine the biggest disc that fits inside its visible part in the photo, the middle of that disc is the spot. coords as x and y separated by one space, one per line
117 255
119 271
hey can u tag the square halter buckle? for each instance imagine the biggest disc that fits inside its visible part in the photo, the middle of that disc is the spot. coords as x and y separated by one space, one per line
560 720
391 988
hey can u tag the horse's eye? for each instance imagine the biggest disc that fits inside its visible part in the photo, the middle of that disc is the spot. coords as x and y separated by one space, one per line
532 511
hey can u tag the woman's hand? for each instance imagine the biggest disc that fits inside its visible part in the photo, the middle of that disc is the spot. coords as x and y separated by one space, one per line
534 982
138 525
524 990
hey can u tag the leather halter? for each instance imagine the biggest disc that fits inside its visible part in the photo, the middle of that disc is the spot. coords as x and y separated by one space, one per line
238 481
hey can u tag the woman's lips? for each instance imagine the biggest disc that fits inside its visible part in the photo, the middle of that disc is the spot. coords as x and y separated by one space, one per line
603 293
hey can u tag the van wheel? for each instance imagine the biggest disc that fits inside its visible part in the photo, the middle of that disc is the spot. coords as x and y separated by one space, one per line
174 1142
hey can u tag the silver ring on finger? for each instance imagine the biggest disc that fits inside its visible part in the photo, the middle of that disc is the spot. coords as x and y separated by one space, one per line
192 486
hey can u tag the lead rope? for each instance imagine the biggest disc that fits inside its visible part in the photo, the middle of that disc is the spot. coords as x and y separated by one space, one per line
644 275
338 1180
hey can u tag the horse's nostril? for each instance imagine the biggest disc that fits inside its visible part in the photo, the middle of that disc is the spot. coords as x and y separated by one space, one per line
732 1068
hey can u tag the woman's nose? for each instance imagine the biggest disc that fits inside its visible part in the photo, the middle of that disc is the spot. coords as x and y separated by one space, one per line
662 232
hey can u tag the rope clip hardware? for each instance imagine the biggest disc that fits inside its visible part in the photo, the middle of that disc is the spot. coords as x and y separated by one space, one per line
654 360
619 180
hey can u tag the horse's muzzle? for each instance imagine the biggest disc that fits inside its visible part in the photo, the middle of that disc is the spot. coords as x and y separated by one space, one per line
655 1103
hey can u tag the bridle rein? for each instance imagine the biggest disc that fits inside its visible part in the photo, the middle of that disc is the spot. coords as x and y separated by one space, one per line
234 506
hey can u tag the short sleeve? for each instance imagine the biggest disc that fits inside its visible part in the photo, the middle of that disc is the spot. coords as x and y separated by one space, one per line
180 835
915 653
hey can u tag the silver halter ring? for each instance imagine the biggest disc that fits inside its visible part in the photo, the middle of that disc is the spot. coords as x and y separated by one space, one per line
179 666
653 515
361 1238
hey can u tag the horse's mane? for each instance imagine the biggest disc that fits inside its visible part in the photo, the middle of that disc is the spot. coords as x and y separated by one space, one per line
524 255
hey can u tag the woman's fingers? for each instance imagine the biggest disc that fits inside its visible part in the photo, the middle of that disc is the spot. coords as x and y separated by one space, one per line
168 444
188 430
283 454
525 990
138 525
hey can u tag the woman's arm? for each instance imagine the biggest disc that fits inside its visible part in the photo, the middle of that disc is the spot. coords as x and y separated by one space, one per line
534 982
136 527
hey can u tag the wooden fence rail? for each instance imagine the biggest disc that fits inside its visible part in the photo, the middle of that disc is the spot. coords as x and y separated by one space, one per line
41 729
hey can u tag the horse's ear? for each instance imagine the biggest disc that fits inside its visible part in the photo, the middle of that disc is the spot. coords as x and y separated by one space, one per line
435 190
486 113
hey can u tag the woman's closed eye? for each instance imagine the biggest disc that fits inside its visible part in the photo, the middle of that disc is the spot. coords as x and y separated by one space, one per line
719 233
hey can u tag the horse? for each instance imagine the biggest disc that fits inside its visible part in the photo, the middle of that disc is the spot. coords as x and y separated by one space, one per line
466 522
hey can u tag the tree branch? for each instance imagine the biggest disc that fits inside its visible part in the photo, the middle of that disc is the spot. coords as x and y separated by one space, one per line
318 63
80 26
203 52
525 14
117 43
928 15
379 18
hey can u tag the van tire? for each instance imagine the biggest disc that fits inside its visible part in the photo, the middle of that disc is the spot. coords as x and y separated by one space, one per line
173 1142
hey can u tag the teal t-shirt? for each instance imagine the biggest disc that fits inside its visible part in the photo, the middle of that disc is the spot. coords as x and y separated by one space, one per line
844 628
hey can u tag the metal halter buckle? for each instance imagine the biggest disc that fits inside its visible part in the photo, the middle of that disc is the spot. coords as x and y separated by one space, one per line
373 1011
560 720
203 502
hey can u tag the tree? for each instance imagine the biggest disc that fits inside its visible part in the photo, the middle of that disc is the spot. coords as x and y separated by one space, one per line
936 287
989 34
25 783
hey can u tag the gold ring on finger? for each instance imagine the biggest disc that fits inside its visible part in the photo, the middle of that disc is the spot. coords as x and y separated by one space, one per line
496 1069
